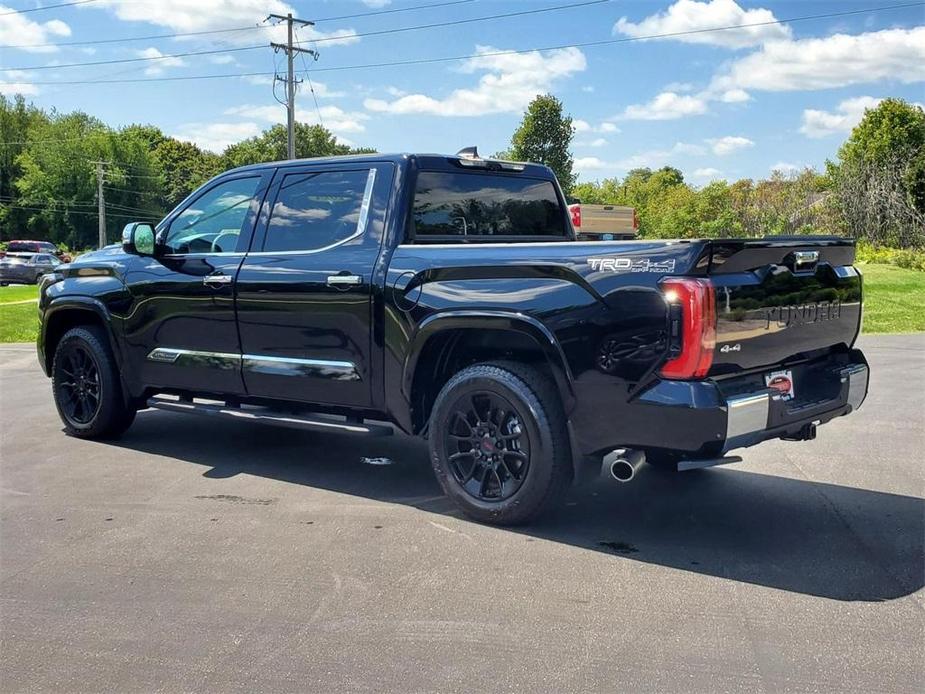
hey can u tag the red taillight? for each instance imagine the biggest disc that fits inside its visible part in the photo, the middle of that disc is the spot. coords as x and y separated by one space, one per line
692 312
576 215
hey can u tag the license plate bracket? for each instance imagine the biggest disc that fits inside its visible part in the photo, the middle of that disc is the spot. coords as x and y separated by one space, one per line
781 382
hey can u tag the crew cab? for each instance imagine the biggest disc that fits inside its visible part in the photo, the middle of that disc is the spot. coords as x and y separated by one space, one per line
446 297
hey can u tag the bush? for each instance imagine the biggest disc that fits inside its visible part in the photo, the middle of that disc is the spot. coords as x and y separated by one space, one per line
904 258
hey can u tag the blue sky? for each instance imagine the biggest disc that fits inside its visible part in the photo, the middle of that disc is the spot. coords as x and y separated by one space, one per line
715 104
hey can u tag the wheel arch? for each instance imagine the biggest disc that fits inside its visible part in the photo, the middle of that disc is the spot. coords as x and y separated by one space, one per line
448 341
62 315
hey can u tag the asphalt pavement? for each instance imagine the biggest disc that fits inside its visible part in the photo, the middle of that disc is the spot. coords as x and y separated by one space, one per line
200 555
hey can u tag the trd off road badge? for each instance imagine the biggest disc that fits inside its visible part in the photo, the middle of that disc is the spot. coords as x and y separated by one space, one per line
630 265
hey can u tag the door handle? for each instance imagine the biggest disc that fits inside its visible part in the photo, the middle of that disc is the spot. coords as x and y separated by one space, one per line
216 281
344 280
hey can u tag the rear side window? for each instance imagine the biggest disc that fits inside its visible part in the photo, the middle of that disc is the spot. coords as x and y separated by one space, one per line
480 205
317 210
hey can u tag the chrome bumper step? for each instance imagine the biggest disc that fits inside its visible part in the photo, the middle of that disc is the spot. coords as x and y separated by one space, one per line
265 415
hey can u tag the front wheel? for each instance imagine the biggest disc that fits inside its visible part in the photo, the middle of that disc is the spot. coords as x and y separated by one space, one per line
499 444
86 386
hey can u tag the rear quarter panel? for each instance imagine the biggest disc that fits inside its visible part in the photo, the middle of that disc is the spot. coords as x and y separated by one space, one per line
608 318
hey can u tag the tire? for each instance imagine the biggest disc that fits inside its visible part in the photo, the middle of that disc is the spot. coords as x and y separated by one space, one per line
86 386
499 444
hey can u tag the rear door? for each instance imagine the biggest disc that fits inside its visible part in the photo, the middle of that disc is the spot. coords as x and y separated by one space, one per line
782 299
304 292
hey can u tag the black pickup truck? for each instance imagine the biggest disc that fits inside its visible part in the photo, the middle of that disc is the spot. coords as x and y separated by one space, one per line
446 297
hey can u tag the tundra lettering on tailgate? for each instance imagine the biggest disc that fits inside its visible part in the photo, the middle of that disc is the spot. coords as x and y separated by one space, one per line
802 314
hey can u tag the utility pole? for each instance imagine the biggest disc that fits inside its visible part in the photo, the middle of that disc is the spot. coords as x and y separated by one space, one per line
290 80
101 201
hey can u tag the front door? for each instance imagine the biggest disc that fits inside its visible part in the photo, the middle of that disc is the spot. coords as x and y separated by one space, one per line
180 326
304 290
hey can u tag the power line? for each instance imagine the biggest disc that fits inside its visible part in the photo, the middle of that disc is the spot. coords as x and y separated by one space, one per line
422 61
136 60
393 11
82 212
48 7
230 30
470 20
380 32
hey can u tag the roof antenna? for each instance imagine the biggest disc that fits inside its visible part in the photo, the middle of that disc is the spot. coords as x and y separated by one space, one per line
468 153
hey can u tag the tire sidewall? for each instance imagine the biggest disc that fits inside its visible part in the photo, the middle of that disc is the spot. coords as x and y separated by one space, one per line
535 420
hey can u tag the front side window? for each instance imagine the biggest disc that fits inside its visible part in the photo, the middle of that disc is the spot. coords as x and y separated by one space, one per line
317 210
468 204
212 223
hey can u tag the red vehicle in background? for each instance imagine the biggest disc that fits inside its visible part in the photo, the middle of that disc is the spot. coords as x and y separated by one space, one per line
36 247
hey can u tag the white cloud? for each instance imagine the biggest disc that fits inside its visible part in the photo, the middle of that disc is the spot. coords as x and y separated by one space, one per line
588 89
785 167
845 116
690 15
157 67
16 29
204 15
708 173
510 83
214 137
597 142
722 146
16 82
735 96
840 60
583 126
650 158
666 106
333 118
376 3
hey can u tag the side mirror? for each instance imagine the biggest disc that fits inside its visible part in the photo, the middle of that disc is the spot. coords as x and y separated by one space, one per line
138 238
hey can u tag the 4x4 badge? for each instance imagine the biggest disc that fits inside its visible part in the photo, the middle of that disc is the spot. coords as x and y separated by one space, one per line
725 349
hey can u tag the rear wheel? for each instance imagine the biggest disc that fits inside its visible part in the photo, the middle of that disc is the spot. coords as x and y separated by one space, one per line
86 386
499 444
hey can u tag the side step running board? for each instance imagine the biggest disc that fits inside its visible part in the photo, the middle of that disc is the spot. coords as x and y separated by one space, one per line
265 415
712 462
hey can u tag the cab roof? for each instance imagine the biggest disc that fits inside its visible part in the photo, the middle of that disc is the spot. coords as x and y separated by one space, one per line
403 159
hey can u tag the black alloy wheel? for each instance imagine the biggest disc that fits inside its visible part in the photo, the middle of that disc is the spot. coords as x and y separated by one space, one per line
79 383
87 387
487 447
499 442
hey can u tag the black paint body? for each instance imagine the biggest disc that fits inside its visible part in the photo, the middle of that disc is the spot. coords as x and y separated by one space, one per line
602 334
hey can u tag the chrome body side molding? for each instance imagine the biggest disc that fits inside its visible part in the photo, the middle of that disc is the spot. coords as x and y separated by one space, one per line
258 363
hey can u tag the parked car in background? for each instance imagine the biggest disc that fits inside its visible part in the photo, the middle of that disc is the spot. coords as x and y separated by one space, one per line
603 222
26 268
37 247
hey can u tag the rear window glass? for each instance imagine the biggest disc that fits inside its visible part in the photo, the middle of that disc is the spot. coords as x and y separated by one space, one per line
485 205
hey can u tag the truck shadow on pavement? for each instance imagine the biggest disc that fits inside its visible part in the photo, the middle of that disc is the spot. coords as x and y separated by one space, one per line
807 537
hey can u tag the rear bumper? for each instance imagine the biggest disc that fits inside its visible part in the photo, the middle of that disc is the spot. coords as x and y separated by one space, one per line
756 417
705 419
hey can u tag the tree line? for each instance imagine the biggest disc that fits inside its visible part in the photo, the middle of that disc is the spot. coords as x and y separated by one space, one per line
48 182
873 190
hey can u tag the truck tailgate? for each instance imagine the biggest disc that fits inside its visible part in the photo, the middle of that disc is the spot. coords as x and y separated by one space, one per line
780 300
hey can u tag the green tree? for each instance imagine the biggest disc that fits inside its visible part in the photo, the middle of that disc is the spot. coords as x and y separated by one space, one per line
17 122
880 175
544 136
270 145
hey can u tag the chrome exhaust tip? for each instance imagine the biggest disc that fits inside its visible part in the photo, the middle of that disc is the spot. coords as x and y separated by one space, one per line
624 463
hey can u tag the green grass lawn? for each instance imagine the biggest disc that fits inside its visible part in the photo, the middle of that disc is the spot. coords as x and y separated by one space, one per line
18 292
893 299
893 303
